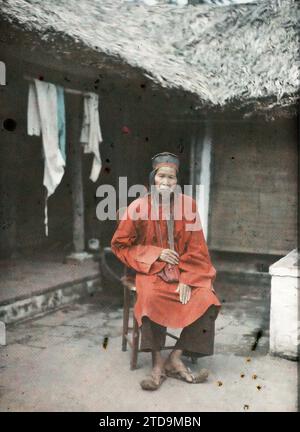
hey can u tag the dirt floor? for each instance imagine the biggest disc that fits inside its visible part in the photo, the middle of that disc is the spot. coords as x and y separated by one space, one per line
71 360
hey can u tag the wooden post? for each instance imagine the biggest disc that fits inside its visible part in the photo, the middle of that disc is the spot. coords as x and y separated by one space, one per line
76 178
9 179
205 173
195 158
192 163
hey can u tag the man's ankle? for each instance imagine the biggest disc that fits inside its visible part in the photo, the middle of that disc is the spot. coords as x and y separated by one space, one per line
175 355
157 367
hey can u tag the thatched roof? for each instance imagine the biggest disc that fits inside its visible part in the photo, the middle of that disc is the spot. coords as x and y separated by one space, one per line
223 55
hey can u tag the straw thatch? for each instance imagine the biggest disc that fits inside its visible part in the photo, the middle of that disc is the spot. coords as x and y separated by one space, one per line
223 55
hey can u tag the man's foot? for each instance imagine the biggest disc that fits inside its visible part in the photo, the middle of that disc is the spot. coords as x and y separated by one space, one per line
175 368
155 380
175 364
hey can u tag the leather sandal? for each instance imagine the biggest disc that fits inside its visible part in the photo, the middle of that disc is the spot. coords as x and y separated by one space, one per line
148 383
181 374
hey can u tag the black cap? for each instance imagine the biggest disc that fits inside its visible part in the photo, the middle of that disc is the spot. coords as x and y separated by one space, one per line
165 158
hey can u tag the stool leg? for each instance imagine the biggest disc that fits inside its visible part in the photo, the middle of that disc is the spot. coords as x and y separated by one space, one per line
126 308
194 360
135 344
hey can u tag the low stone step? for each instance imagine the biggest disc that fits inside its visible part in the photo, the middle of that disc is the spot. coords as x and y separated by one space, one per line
32 304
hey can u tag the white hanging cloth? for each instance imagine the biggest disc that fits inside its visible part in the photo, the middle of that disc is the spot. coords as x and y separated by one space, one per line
42 117
91 132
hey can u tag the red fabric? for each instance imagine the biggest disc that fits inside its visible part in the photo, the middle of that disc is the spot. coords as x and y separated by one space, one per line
136 245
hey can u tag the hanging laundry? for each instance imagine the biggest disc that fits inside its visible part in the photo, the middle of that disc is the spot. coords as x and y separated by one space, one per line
61 120
43 117
33 114
91 132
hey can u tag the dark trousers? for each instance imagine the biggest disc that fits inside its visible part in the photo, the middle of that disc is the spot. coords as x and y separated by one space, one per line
197 339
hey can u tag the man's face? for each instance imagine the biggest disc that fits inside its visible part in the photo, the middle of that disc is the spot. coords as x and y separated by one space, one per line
165 180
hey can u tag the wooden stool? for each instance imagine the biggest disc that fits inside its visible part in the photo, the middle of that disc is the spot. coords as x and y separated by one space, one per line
134 338
130 290
130 334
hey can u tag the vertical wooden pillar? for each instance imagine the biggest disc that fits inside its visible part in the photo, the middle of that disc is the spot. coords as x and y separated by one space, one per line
76 176
193 162
9 181
200 171
205 174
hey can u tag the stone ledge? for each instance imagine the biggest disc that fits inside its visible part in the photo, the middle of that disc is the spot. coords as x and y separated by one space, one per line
50 299
51 288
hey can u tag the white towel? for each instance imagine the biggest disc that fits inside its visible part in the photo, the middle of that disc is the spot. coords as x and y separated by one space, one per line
33 115
42 116
91 132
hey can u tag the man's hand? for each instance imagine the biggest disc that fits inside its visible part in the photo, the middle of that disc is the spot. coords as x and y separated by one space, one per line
185 292
169 256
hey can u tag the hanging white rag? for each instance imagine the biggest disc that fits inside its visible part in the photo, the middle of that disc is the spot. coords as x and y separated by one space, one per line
91 132
33 114
42 116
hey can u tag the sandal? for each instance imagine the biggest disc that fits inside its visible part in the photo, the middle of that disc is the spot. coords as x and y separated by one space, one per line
181 374
148 383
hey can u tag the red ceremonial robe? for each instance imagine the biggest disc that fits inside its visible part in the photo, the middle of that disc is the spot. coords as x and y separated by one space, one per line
136 244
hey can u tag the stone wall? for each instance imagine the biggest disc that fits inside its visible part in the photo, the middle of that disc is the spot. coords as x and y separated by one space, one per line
253 204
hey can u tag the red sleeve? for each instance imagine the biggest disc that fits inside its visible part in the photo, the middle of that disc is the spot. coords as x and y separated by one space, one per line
141 258
195 265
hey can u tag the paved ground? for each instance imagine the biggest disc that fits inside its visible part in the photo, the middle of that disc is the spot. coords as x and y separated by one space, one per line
22 277
59 362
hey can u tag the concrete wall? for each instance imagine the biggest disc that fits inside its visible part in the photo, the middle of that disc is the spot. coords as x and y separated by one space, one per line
254 187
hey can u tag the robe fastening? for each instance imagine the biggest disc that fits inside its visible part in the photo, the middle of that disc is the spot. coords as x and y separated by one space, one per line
136 244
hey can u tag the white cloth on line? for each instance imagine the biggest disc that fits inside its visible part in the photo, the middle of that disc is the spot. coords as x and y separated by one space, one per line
33 114
91 134
42 117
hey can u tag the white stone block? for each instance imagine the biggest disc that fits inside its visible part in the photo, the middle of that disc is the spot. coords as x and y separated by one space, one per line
2 333
284 324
